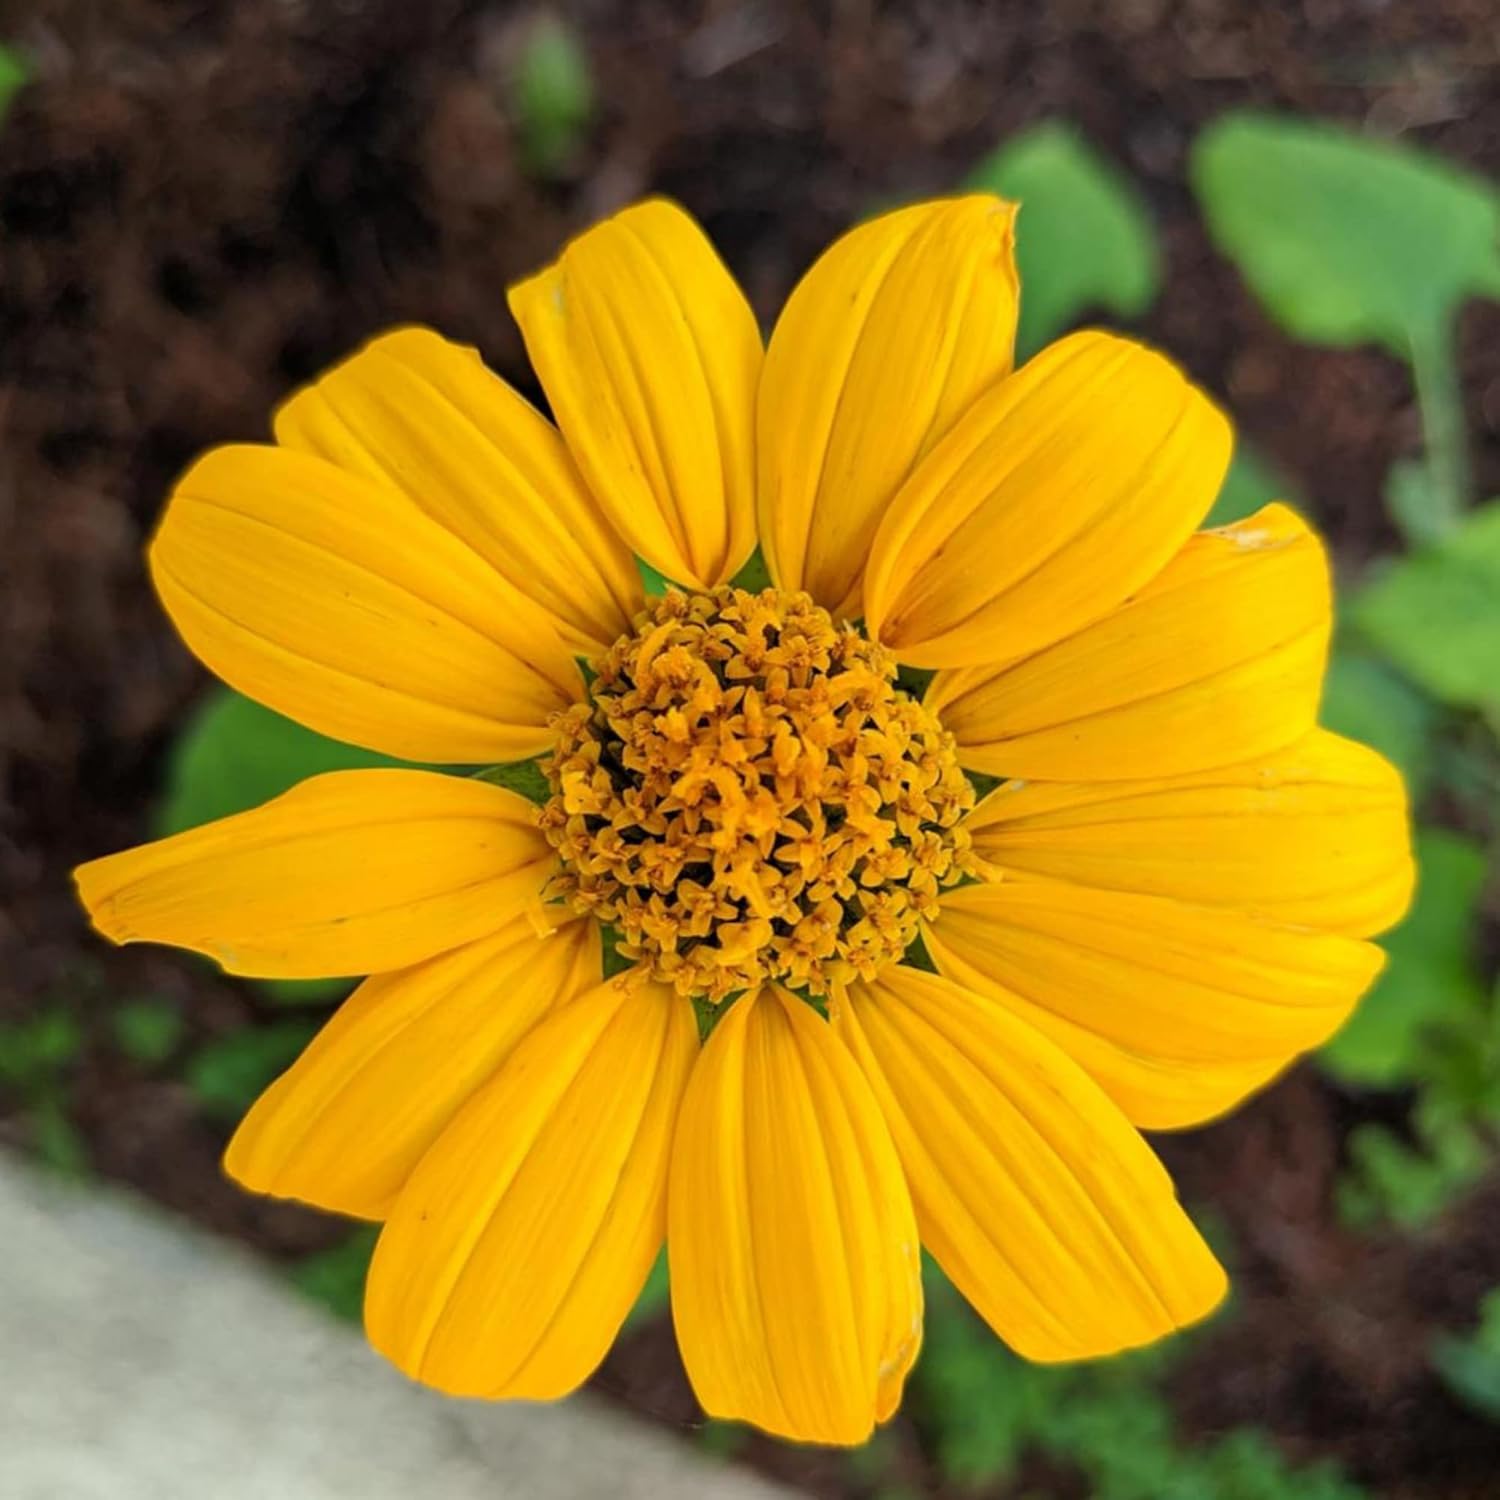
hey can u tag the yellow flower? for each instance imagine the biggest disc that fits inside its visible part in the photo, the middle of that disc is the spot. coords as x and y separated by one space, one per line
1166 902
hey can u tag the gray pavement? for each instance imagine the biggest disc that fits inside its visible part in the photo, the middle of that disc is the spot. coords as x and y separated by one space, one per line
143 1360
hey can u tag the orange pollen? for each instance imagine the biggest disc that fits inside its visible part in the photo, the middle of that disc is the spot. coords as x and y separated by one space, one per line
748 796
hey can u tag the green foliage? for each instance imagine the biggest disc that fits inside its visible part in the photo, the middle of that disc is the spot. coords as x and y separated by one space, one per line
552 96
234 755
1430 980
1470 1366
36 1056
1346 239
336 1278
983 1410
1349 240
39 1049
13 73
1084 239
147 1031
1250 483
1367 701
1436 613
654 1297
228 1074
524 777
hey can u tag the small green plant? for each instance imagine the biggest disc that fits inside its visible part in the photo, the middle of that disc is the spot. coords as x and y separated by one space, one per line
552 96
1348 240
983 1410
1470 1365
227 1074
148 1031
1084 239
36 1058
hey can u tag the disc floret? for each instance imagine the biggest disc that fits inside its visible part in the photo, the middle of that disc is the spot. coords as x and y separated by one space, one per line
747 795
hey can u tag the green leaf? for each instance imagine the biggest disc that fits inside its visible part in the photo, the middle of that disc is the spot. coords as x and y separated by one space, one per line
654 1297
1366 700
1250 483
35 1051
1470 1366
228 1074
1345 239
525 777
234 755
13 73
1436 613
1431 976
1084 239
148 1031
336 1278
552 96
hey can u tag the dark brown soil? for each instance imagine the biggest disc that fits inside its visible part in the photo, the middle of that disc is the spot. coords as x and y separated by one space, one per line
202 204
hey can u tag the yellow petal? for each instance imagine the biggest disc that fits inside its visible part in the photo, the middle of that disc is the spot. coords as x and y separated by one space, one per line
1218 659
1045 1208
886 340
650 355
1059 493
795 1271
353 872
523 1237
335 601
345 1126
414 411
1177 1011
1315 835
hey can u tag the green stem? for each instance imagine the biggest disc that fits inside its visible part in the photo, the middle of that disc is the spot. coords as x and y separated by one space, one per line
1440 401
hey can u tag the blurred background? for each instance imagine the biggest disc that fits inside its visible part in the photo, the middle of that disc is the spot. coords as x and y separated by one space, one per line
202 205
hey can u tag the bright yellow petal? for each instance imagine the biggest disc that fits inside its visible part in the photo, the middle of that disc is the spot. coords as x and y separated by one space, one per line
1177 1011
650 355
1315 835
412 410
345 1126
1059 493
335 601
354 872
886 340
1036 1196
795 1272
522 1239
1219 659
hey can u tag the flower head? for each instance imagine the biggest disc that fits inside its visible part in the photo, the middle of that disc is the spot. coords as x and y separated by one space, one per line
1166 896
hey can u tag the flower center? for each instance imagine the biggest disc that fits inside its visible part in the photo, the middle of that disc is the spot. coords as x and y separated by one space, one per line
748 796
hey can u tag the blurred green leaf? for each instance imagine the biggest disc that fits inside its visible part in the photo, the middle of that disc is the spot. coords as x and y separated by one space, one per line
982 1410
654 1298
1410 1182
34 1051
1470 1366
1250 483
57 1141
148 1031
1084 238
228 1074
1366 700
234 755
552 96
525 777
1436 613
13 73
336 1278
1346 239
1431 975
